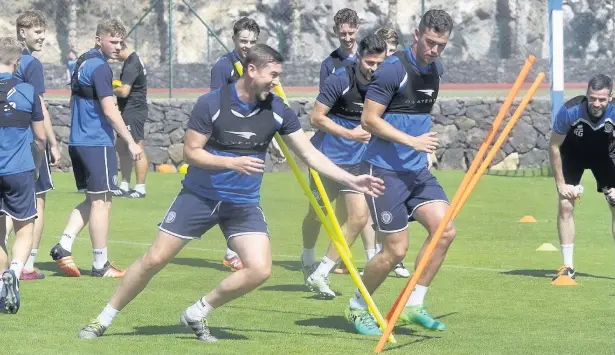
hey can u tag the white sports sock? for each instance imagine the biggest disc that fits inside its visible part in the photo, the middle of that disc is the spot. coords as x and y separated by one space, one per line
357 301
199 310
67 241
230 254
30 262
325 266
125 186
100 258
417 296
140 188
308 257
378 248
107 315
370 253
16 266
567 251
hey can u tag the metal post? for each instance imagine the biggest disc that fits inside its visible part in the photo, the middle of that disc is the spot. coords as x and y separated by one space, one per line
170 49
422 7
556 49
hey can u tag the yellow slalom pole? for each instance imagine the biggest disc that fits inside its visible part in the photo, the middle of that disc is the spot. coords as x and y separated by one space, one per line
337 238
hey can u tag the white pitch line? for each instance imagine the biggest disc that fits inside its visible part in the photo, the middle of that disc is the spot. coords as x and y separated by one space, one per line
460 267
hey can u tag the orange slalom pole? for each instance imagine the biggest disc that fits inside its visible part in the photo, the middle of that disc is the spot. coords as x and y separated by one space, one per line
494 150
449 213
525 70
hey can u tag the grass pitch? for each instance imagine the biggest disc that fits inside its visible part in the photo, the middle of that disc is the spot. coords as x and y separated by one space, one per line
493 292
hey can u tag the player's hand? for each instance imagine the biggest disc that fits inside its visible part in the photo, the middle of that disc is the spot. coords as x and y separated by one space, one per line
136 151
568 192
360 135
247 165
427 142
36 173
367 184
429 162
55 155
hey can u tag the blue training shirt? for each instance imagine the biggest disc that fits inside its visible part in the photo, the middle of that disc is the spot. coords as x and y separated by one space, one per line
339 150
89 126
235 129
573 113
223 72
391 79
15 151
333 62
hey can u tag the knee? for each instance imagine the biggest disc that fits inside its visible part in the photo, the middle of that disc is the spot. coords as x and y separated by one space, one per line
260 272
153 261
566 209
396 252
448 236
357 221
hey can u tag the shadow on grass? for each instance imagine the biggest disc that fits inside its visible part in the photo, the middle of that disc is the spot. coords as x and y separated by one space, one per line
550 274
199 262
51 267
218 332
290 265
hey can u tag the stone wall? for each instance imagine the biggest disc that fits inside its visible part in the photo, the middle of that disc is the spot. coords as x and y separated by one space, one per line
462 125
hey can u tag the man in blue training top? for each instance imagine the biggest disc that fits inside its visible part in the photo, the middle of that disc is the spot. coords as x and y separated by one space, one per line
31 27
21 121
245 36
94 118
397 114
337 116
582 138
346 28
225 145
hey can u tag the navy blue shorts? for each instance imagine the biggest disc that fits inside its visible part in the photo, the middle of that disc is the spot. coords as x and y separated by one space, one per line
18 196
94 168
44 182
404 193
191 216
332 187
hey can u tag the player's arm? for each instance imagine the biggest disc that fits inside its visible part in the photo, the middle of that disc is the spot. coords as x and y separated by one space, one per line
372 122
101 78
300 145
50 134
332 90
128 77
561 125
38 131
295 137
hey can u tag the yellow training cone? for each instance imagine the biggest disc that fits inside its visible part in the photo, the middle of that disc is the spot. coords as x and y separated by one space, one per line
546 247
527 219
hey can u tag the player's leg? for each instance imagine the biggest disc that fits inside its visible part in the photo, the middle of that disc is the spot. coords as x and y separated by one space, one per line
427 205
391 221
353 216
572 170
141 165
187 218
79 217
246 231
18 203
373 246
125 168
102 167
310 229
